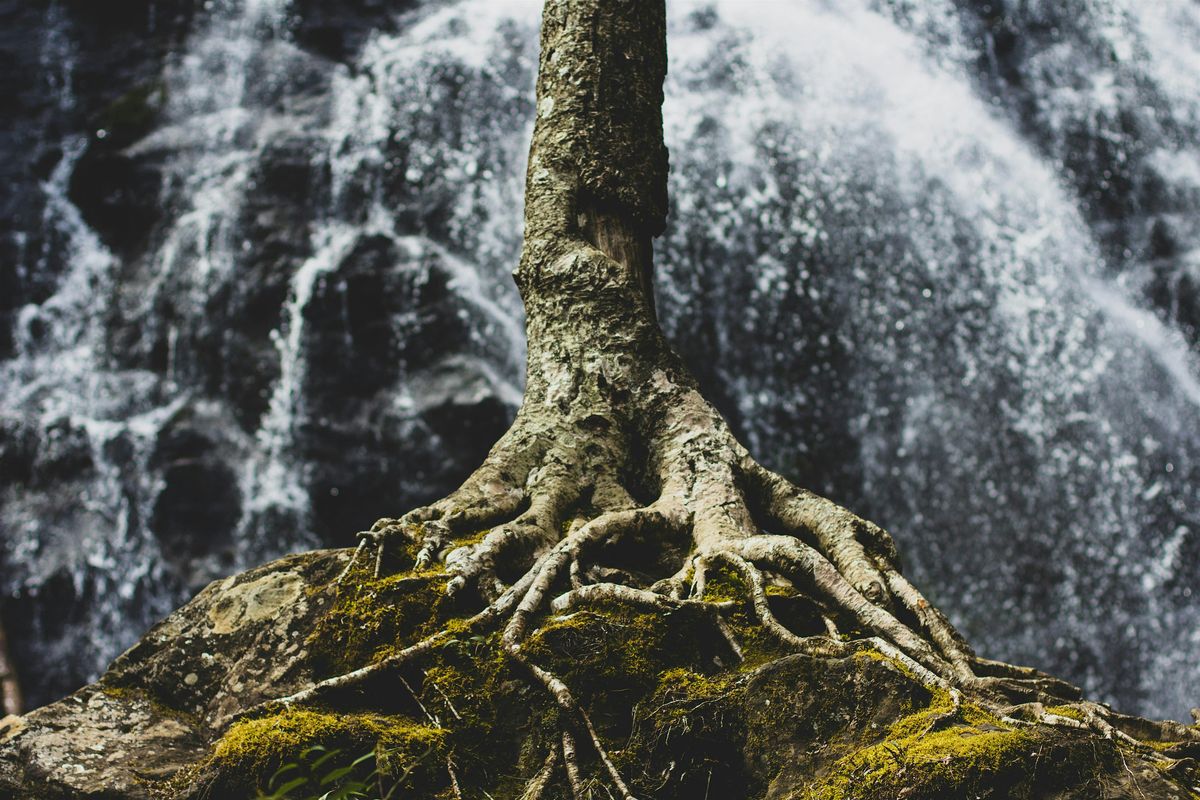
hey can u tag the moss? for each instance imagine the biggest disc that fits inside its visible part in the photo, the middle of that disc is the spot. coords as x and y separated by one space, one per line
605 647
1066 711
681 692
132 695
976 755
692 684
939 710
684 688
953 760
252 751
466 704
472 689
891 662
1162 747
615 658
475 538
465 683
722 584
689 730
370 619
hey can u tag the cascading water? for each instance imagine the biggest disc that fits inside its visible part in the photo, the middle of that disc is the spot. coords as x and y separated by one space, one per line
949 351
938 260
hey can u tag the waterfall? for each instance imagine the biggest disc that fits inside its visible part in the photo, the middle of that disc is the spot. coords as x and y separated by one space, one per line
938 260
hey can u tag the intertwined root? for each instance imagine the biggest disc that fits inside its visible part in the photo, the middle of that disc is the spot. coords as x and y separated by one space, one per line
553 532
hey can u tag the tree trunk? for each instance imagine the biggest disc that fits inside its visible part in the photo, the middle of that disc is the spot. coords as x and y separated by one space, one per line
611 417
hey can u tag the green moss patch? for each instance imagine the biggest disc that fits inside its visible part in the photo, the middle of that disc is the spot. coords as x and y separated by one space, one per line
370 619
612 656
723 584
938 753
251 752
1066 711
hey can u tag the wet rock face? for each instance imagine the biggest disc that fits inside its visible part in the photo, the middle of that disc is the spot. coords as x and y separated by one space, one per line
1119 154
197 509
338 29
380 319
158 706
255 293
212 358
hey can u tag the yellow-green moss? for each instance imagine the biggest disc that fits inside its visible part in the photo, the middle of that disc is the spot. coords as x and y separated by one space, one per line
369 619
467 688
474 538
934 752
891 662
940 712
616 658
681 690
955 759
606 643
693 684
723 584
253 750
1066 711
1160 746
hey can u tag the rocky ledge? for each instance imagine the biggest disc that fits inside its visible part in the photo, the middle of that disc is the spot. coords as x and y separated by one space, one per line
684 717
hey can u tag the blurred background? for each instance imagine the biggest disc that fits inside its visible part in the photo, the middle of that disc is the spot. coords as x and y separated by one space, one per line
937 259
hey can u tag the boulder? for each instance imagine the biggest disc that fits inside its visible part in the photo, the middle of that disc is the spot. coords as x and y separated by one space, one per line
682 715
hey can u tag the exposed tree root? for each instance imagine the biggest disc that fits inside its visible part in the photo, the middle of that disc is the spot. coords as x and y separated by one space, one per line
536 788
555 532
571 763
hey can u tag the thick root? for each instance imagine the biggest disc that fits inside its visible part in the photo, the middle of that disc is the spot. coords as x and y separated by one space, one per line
843 536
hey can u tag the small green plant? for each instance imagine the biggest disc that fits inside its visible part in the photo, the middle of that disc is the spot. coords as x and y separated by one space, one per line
321 775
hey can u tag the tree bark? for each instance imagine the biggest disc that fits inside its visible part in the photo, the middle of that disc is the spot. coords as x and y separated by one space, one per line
597 170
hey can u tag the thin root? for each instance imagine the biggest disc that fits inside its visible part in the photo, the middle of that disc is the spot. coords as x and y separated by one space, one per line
571 761
536 788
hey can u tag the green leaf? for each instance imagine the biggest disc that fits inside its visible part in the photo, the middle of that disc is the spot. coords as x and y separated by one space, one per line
336 775
317 764
283 791
286 768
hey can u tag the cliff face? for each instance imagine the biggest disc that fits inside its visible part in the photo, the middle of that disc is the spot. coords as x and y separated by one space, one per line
681 714
254 293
